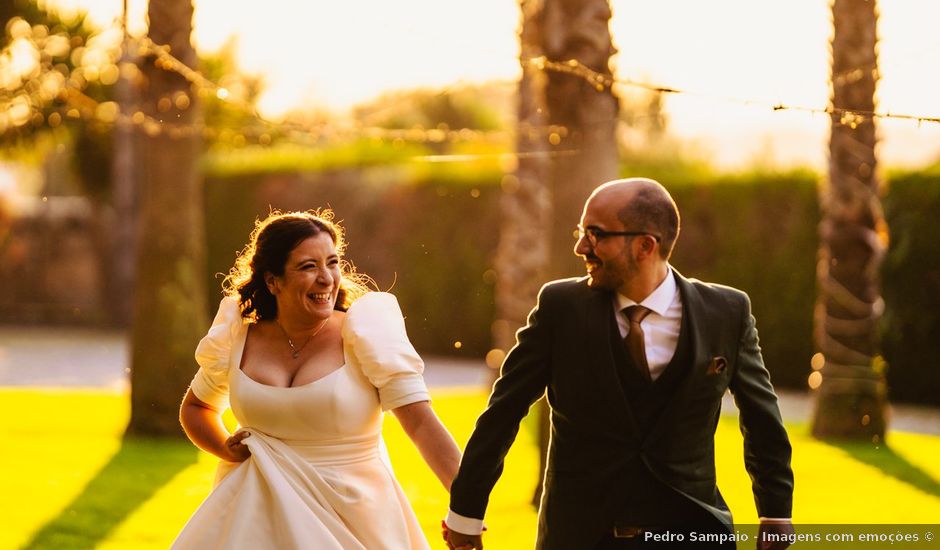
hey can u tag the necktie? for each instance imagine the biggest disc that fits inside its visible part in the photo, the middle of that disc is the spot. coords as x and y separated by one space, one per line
636 348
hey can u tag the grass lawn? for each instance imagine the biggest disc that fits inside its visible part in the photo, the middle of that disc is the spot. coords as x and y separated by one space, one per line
68 481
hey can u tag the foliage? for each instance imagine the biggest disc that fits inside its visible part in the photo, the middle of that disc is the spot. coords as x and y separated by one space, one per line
72 88
910 329
432 228
45 59
91 157
757 232
400 222
486 106
233 117
83 505
667 160
642 112
289 158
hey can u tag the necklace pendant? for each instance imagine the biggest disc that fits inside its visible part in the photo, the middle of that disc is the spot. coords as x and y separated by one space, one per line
295 351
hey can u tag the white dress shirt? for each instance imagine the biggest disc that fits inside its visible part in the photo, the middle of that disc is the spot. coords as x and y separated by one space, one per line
660 327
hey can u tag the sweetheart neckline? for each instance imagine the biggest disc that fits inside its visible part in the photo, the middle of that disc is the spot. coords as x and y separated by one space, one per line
311 383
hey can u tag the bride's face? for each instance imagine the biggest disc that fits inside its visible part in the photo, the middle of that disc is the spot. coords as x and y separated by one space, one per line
308 289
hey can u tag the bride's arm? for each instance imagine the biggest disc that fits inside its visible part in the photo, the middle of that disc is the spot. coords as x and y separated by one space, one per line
432 439
203 425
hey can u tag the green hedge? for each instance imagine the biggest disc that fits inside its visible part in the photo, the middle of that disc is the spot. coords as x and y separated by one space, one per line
422 234
911 287
430 234
757 232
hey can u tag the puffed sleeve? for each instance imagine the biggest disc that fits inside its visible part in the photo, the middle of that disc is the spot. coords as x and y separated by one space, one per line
374 333
213 352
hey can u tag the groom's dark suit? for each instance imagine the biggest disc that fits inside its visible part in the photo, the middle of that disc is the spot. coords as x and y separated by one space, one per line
625 451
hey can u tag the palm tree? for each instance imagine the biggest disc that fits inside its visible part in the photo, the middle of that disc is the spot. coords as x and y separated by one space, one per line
587 149
851 390
580 133
523 250
170 296
522 255
124 186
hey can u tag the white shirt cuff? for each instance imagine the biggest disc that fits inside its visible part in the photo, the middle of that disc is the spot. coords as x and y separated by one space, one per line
463 524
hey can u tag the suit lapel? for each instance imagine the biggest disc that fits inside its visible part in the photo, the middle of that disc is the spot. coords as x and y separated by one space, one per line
602 364
697 320
695 312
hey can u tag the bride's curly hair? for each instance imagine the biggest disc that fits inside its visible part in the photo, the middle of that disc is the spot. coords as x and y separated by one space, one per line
267 250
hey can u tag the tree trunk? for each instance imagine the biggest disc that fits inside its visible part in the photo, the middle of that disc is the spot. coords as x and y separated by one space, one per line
125 188
586 150
522 256
170 294
851 390
525 203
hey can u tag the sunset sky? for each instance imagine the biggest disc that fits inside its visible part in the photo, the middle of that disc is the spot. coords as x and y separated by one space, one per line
335 54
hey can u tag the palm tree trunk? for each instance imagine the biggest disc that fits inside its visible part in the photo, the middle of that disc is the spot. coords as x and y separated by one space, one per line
170 294
851 390
584 147
522 255
124 191
525 204
587 147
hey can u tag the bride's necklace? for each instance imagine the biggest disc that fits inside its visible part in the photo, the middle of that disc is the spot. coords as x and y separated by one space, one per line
294 350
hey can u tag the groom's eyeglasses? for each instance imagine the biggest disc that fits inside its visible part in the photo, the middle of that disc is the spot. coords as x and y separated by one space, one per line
595 234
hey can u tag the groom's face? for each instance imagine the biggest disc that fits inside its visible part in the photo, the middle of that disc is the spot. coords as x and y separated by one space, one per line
609 261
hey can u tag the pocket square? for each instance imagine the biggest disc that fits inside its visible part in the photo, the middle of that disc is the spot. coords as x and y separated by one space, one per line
717 365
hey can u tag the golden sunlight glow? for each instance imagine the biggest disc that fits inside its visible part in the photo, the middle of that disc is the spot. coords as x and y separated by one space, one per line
332 55
815 380
494 358
818 361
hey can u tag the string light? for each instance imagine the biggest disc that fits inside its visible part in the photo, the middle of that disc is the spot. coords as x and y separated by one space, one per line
850 117
417 134
28 88
33 77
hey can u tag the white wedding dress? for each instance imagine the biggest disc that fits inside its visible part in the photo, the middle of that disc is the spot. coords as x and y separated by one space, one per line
318 476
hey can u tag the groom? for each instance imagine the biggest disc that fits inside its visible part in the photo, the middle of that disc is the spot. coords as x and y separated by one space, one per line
635 359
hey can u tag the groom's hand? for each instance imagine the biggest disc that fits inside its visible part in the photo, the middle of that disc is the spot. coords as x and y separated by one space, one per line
460 541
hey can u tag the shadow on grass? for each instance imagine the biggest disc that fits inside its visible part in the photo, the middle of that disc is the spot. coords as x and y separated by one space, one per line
891 464
130 478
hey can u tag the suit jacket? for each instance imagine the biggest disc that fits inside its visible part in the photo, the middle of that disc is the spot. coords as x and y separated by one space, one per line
565 348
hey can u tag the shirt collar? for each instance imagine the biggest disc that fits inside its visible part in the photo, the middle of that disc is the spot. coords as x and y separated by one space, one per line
658 301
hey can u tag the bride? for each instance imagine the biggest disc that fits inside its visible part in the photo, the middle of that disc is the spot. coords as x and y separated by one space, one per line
308 360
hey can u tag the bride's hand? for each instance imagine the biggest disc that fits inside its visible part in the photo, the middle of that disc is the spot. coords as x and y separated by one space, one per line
234 450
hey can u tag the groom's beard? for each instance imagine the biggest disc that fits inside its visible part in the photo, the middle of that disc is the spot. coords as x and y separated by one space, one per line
610 274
